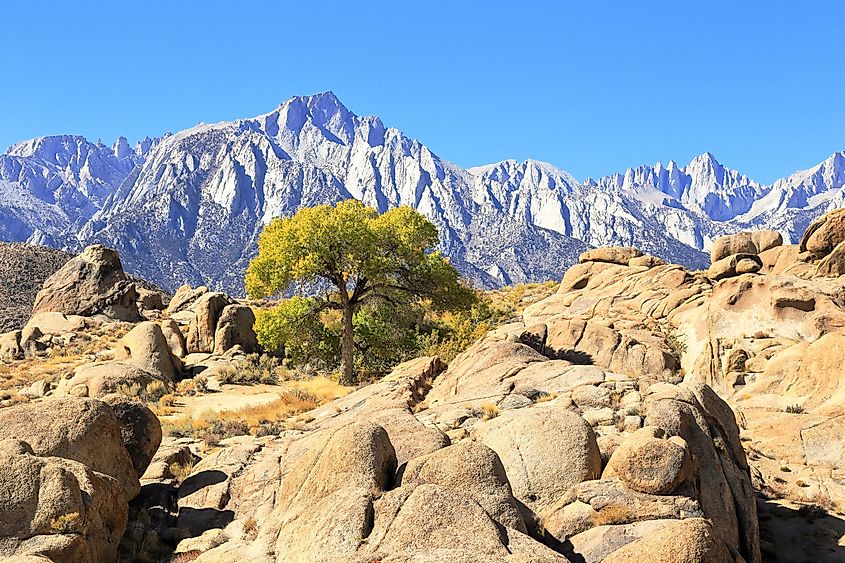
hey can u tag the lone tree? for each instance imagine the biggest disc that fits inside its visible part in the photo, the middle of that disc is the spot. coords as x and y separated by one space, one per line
361 257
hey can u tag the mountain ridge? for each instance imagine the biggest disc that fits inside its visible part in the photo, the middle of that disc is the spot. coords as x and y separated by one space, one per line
187 207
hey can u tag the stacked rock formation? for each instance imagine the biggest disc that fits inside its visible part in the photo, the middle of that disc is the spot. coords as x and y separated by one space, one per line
69 469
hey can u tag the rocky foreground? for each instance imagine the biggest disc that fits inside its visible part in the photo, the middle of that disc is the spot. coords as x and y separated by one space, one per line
642 413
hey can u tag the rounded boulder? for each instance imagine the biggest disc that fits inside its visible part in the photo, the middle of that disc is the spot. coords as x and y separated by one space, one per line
544 451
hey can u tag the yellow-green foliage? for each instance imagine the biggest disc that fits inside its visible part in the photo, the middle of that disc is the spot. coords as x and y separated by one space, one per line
380 269
351 246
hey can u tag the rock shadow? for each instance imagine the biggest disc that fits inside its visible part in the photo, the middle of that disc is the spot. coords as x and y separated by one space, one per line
201 480
575 357
797 534
199 520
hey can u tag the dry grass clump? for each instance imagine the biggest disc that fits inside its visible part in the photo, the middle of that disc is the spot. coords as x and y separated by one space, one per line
250 528
795 409
290 403
153 392
823 502
489 411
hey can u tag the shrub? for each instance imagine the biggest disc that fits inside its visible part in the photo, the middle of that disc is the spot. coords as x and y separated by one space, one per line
186 387
676 345
812 511
151 393
155 390
227 428
200 384
795 409
250 528
226 374
70 523
182 428
269 428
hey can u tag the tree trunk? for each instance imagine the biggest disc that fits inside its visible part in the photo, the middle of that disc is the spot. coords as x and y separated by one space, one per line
347 346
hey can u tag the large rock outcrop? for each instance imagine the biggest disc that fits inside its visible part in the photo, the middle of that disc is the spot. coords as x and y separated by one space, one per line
545 451
99 379
146 347
824 234
610 422
749 242
530 437
92 283
219 323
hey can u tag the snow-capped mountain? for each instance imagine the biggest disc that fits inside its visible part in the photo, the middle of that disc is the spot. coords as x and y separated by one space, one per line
188 207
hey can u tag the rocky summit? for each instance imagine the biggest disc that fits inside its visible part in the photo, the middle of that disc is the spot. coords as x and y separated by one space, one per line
642 412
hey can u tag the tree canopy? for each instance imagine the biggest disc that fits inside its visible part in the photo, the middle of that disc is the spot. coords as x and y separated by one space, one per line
356 258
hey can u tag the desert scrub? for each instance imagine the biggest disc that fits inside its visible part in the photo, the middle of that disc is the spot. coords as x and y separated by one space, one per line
255 368
129 389
155 390
150 393
262 419
795 409
250 528
196 386
180 428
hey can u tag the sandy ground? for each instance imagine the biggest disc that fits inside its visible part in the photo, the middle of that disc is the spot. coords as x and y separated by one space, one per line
229 398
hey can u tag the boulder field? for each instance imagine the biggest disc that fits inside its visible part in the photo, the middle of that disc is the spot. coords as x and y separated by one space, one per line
642 413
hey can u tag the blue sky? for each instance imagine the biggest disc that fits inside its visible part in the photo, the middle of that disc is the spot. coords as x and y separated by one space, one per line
593 87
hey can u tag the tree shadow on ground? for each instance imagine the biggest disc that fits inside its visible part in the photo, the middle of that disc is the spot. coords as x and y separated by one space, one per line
800 533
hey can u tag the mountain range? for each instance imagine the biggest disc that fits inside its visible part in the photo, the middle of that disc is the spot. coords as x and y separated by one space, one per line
188 207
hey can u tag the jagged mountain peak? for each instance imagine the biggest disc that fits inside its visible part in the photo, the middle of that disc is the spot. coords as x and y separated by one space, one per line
706 158
51 148
525 166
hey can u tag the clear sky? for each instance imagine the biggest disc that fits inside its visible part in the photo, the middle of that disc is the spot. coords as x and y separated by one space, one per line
592 87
